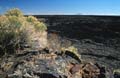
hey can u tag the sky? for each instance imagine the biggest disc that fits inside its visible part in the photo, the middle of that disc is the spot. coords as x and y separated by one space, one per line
66 7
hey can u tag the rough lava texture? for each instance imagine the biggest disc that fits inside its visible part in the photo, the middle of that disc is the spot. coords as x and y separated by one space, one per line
98 47
36 65
96 37
47 63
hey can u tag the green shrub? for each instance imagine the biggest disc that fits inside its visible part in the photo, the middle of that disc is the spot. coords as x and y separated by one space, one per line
16 28
14 12
8 34
39 26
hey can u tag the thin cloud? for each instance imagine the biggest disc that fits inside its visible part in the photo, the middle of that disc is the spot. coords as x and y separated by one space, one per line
101 13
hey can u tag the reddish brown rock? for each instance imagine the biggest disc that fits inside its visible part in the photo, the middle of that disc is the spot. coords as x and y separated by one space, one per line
90 71
75 69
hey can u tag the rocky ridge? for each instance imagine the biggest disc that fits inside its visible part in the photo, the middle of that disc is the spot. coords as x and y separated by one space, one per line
52 63
36 65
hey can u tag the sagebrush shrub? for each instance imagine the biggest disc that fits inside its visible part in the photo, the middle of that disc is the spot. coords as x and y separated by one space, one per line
39 26
16 28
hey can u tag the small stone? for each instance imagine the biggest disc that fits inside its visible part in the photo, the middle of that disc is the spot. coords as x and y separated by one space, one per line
7 66
116 74
75 69
90 71
27 75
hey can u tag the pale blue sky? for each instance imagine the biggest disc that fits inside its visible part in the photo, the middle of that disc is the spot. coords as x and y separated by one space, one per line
90 7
